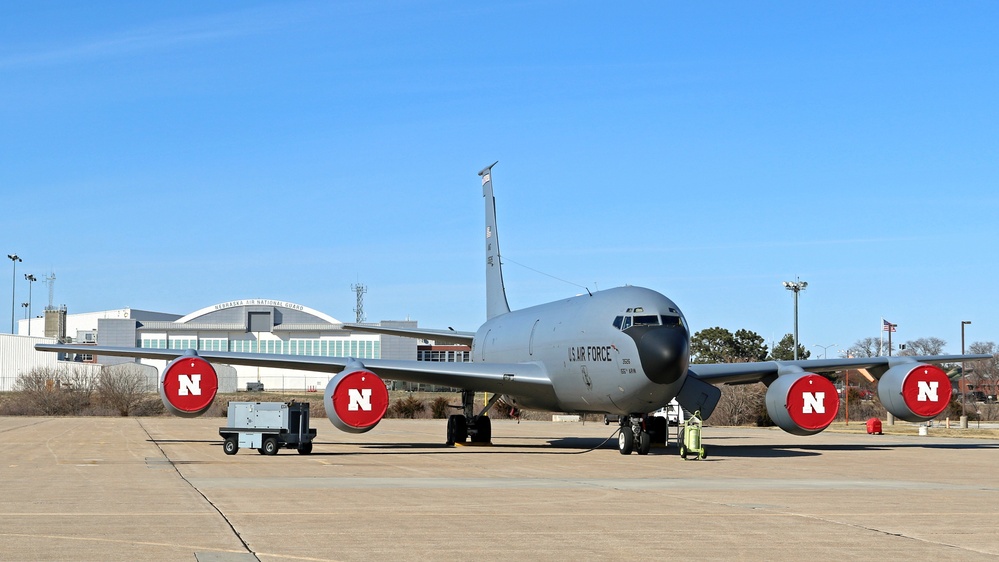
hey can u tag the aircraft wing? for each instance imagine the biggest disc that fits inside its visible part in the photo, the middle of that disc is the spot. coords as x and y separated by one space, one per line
440 336
744 373
499 378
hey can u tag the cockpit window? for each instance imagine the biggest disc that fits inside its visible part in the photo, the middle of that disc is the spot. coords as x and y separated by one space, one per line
647 320
671 320
625 322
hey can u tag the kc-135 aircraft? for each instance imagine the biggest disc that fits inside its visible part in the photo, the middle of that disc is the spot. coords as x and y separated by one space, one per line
623 351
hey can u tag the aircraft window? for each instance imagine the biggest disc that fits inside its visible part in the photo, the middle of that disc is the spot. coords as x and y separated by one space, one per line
627 323
647 320
671 320
617 322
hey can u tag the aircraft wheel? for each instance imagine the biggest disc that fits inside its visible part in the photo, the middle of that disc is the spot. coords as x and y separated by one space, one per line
644 443
305 448
230 446
658 430
483 430
626 440
457 429
270 446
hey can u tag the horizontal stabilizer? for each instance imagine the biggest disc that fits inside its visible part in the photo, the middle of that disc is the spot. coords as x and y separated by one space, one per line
439 336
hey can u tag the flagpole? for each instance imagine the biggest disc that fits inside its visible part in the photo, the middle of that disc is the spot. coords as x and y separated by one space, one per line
881 346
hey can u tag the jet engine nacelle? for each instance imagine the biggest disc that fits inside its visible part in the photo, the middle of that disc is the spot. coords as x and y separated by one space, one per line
803 403
188 386
914 392
355 400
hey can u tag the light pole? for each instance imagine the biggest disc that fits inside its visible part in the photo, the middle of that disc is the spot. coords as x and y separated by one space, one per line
30 279
825 349
846 387
797 286
14 258
24 305
964 374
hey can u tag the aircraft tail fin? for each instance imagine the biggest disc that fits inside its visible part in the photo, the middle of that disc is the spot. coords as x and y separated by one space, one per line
496 302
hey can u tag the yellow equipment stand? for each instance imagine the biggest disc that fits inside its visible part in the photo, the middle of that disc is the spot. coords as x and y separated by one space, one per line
690 437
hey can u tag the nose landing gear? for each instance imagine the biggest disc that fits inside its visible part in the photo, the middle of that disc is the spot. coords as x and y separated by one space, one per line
633 436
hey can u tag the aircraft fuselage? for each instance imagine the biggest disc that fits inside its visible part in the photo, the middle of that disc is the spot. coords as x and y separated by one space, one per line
622 350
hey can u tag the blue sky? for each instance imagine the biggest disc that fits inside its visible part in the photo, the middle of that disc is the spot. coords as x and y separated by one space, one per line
170 156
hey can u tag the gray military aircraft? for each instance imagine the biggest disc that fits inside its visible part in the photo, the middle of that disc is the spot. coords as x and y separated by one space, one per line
623 351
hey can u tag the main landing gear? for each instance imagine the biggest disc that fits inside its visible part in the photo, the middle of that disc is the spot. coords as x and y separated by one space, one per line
639 432
461 427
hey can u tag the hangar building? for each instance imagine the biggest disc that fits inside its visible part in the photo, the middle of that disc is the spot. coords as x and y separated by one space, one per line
250 326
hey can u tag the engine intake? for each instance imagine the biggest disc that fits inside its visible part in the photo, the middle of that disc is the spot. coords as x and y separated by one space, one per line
914 392
188 386
355 400
802 404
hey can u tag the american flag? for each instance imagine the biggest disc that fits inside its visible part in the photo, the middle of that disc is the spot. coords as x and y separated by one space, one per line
887 326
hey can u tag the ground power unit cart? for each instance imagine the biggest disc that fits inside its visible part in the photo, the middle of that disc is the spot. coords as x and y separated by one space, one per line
267 427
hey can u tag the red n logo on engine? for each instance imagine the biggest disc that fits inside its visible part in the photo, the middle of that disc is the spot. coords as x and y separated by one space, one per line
359 399
356 400
922 390
188 386
812 402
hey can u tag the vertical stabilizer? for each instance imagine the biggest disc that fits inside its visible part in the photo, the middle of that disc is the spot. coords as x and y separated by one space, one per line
496 303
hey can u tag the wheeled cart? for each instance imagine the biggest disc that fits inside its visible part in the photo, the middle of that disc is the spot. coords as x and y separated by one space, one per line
690 437
267 427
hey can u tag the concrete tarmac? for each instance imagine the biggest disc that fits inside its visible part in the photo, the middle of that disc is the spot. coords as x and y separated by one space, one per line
162 489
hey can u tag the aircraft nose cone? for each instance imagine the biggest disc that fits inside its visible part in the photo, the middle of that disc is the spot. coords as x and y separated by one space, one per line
664 352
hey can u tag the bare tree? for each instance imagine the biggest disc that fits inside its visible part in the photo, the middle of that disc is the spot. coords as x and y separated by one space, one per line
866 347
984 374
53 392
743 404
923 346
122 387
38 392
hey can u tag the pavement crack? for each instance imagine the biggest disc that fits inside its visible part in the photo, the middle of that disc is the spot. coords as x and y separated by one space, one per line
23 426
200 493
889 533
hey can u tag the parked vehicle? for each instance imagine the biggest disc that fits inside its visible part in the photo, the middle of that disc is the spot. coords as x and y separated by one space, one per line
673 413
267 427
